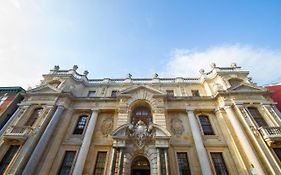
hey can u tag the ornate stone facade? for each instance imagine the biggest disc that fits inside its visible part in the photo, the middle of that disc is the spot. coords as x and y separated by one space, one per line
218 123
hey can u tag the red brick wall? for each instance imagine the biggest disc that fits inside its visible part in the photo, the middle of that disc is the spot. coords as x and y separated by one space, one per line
7 102
276 95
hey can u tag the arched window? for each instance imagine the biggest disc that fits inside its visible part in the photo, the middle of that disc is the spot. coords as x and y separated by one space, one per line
34 116
80 125
235 82
255 113
206 125
141 113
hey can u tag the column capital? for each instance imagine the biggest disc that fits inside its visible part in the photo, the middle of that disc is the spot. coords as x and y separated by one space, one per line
218 109
60 107
95 109
227 106
190 108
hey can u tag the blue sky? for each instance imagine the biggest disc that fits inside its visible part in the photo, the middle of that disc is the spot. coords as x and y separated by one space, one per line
111 38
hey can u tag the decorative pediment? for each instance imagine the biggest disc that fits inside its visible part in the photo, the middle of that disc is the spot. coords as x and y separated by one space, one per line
246 87
44 89
142 92
146 88
120 131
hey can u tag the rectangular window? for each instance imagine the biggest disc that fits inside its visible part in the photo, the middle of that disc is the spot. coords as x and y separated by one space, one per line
195 93
3 98
254 112
92 94
162 161
170 93
113 93
35 115
116 162
67 162
100 163
80 125
219 164
206 125
278 152
183 163
10 154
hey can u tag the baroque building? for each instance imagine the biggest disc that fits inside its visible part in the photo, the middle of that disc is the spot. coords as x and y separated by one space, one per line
219 123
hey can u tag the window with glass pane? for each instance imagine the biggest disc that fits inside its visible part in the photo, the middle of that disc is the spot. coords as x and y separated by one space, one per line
35 115
183 163
219 164
8 157
170 93
113 93
195 93
92 94
162 162
67 162
206 125
3 98
141 113
80 125
254 112
278 152
100 163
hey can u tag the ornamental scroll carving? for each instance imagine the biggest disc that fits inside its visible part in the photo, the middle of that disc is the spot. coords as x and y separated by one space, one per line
141 133
107 126
177 127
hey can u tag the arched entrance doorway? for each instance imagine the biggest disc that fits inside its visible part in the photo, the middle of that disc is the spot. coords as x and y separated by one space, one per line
140 166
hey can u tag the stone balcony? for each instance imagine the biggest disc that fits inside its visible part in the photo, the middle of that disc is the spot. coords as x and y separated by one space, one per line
272 135
17 134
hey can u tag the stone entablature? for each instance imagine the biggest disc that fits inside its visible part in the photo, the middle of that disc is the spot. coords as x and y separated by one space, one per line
56 72
179 111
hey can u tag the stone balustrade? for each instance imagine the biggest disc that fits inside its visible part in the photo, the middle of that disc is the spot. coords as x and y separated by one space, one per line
17 133
272 135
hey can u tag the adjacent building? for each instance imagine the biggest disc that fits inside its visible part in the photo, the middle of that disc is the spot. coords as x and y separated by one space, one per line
219 123
276 94
9 99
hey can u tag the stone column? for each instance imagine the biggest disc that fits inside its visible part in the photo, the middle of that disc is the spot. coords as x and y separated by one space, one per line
113 161
120 161
198 141
272 116
244 140
166 161
43 142
276 110
82 155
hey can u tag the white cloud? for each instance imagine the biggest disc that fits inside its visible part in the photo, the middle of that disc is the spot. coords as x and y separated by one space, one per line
263 64
16 3
21 51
